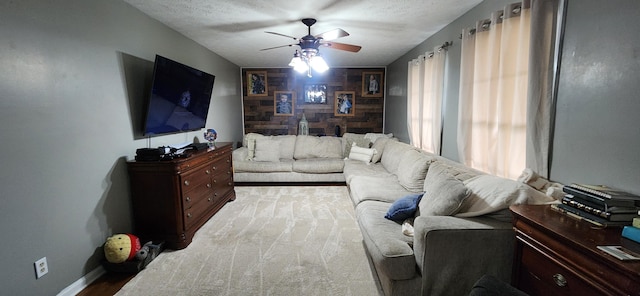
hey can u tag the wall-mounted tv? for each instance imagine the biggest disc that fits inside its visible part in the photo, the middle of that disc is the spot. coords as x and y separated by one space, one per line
179 98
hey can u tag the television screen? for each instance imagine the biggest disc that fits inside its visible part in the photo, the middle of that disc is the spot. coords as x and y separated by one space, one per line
179 98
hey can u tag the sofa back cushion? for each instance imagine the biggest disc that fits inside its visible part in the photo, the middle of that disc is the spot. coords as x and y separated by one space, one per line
444 194
317 147
267 149
287 145
412 170
392 155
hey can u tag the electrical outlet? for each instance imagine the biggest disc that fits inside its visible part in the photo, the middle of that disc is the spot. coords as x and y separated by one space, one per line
41 267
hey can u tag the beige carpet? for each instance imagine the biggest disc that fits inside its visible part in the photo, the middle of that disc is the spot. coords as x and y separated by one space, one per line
289 240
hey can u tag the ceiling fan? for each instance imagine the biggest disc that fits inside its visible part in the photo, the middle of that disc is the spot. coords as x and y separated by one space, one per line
314 42
308 56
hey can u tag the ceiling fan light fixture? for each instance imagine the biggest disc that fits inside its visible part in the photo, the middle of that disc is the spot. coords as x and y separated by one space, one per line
318 64
298 64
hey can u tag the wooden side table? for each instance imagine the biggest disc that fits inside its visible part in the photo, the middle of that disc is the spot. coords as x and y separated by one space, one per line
557 255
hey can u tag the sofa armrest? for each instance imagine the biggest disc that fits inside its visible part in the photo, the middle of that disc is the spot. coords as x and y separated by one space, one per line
453 253
240 154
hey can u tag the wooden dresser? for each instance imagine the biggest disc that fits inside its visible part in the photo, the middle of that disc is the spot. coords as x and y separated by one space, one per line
172 199
556 255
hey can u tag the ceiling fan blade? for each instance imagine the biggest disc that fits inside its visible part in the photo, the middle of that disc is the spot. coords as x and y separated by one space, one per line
288 45
283 35
333 34
342 46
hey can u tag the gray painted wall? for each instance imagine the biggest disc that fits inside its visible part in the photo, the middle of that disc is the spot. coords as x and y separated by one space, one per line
73 75
597 132
597 124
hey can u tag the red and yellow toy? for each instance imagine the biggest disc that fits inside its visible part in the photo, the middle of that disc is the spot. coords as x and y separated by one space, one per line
121 247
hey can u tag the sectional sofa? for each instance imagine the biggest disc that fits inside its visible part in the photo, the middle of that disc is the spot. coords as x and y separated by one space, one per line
430 226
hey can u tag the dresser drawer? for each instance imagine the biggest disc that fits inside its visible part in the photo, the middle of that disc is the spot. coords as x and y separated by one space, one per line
192 197
194 214
222 166
543 275
223 185
200 178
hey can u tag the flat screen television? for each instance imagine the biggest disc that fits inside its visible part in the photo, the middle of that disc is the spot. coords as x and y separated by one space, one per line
178 100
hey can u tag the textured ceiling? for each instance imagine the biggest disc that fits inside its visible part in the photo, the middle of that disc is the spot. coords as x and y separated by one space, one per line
235 29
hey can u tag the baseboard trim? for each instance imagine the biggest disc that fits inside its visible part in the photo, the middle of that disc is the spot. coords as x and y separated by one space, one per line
83 282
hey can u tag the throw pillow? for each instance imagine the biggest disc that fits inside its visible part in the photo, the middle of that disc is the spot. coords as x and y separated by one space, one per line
251 149
360 142
403 208
361 154
267 149
379 146
445 193
374 136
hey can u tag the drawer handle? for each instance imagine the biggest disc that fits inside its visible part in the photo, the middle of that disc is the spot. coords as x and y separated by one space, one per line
209 199
208 185
228 160
215 194
186 182
214 168
188 199
228 173
215 181
207 172
230 184
560 280
188 215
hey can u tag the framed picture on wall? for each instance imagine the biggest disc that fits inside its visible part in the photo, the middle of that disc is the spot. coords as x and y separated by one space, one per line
315 93
345 103
257 83
372 84
283 103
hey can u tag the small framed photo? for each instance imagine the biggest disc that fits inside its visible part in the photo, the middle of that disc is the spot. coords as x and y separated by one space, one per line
315 93
372 84
283 103
257 83
345 103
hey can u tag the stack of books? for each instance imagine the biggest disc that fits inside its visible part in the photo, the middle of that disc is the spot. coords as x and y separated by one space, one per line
600 205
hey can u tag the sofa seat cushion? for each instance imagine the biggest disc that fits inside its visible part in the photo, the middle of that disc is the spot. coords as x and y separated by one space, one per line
318 165
386 189
284 165
317 147
390 250
358 168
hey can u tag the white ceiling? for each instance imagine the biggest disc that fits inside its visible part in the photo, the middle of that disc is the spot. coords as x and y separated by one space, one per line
235 29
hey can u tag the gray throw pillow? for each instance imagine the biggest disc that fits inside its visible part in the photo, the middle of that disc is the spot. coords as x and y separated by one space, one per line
379 146
443 195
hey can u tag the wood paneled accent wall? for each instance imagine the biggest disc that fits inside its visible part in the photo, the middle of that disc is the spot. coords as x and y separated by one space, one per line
259 110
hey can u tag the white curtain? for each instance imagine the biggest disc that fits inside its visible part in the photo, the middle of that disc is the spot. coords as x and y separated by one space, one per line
543 59
493 92
424 108
506 108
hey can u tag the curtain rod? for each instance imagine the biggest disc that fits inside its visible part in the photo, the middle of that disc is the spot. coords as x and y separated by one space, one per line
444 46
